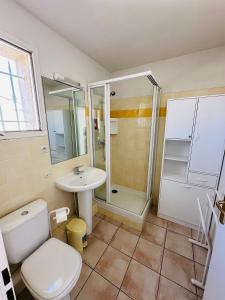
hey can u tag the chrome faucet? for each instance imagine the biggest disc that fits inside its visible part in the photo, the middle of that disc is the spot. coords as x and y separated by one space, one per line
77 170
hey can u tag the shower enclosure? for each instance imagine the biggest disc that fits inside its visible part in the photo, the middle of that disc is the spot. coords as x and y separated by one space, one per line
123 141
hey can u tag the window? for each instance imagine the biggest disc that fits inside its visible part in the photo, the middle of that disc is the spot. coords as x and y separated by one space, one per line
18 99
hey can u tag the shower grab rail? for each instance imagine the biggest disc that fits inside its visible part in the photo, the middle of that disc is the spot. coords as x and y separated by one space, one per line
203 234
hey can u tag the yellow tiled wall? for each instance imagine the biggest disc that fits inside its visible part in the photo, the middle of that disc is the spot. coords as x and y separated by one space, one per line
129 148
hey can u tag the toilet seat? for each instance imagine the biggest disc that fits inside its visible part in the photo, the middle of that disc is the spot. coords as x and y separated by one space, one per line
52 270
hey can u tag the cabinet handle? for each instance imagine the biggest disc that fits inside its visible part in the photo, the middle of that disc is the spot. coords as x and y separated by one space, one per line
186 187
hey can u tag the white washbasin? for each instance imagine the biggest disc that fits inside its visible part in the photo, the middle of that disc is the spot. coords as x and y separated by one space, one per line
90 179
83 184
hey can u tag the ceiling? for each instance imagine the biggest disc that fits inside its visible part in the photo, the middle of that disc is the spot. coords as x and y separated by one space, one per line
120 34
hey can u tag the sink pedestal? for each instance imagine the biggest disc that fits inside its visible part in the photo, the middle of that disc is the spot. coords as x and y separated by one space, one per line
83 184
85 208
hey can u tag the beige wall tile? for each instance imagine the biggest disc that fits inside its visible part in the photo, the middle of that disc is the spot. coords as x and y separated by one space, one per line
129 103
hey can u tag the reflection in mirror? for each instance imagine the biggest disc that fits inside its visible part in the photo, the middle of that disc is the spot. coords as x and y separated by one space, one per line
66 119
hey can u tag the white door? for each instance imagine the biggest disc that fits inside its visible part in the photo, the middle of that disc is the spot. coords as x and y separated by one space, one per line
180 118
209 135
215 287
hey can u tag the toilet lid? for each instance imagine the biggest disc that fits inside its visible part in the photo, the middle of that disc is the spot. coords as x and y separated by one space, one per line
51 268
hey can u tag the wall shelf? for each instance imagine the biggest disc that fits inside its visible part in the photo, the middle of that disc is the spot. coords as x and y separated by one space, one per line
179 140
175 177
177 158
175 170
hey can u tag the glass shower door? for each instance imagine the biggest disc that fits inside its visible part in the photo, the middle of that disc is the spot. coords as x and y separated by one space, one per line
98 106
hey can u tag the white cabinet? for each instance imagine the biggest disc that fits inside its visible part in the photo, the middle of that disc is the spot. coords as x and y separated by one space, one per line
178 201
179 120
193 152
60 134
209 135
59 121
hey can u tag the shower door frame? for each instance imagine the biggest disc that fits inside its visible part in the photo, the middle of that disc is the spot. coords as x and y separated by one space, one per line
152 133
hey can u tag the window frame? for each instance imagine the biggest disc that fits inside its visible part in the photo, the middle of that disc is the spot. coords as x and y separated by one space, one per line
38 90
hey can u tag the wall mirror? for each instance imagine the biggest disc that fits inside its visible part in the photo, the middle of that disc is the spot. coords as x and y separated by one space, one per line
66 120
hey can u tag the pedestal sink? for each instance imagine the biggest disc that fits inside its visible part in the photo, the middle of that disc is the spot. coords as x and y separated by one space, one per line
83 184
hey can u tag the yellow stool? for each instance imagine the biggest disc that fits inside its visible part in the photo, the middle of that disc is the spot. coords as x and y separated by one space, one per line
77 234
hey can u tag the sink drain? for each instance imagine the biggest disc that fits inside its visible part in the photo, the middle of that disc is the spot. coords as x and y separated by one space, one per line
114 191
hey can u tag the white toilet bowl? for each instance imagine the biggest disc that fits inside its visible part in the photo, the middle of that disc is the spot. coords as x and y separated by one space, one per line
52 270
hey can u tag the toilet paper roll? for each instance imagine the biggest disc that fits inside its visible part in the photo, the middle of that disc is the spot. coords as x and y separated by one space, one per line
61 216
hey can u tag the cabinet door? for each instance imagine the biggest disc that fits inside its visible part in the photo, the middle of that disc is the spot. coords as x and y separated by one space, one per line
209 135
180 118
179 201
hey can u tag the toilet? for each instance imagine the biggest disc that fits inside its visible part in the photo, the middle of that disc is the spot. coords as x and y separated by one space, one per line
50 268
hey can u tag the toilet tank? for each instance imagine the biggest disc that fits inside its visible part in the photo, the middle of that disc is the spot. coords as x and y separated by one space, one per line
24 230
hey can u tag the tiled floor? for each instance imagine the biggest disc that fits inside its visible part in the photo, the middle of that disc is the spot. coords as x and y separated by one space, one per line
155 264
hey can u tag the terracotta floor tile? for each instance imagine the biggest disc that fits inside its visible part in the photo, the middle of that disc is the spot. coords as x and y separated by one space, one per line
93 251
179 243
98 288
85 273
149 254
140 283
131 230
200 254
199 269
113 265
179 228
110 220
178 269
169 290
125 241
95 221
104 231
123 296
153 233
156 220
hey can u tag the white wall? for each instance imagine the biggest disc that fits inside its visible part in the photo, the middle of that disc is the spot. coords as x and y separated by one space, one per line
55 53
199 70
